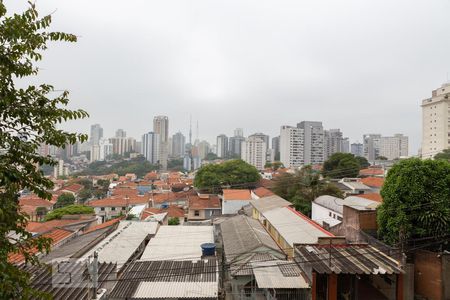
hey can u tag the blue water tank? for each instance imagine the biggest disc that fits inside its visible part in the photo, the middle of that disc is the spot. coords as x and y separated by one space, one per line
208 249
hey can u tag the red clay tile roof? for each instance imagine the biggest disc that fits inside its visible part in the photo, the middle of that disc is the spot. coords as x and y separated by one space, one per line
371 172
236 195
104 225
56 235
33 200
172 212
124 191
75 188
263 192
168 197
40 227
372 196
116 201
196 202
373 181
267 183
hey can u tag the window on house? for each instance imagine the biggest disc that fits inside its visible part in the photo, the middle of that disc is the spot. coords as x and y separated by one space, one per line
102 208
113 208
339 218
196 213
329 214
124 208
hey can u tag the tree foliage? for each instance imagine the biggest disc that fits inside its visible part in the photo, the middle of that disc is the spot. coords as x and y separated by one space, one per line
303 187
139 166
28 118
174 221
445 154
416 201
363 162
211 156
69 210
340 165
274 165
65 199
229 173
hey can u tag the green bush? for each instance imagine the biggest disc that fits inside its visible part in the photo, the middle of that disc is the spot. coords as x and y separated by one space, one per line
69 210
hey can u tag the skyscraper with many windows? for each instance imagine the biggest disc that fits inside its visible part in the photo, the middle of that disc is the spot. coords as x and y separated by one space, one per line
161 127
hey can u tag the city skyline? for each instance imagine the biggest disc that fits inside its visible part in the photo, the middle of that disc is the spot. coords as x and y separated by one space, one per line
194 61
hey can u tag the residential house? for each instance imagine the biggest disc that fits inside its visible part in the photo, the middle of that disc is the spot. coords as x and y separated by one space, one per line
261 192
73 189
170 212
176 243
288 227
336 269
262 205
35 207
234 200
203 207
246 242
351 186
116 206
327 210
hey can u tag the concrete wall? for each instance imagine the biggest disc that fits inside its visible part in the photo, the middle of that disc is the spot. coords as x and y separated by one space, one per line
428 275
321 214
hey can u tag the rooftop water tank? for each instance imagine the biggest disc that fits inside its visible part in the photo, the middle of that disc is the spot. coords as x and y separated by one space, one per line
208 249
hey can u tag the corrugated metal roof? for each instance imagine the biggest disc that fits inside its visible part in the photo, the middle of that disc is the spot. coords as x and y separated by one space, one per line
43 280
242 234
164 290
294 227
84 241
178 243
168 279
278 275
243 265
268 203
360 203
346 259
332 203
121 244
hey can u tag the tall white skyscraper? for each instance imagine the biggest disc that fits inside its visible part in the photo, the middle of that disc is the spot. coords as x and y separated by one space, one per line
262 136
313 152
436 122
161 127
150 147
357 149
105 149
96 134
254 152
291 146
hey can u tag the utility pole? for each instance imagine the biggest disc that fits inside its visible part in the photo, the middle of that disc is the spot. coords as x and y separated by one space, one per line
93 271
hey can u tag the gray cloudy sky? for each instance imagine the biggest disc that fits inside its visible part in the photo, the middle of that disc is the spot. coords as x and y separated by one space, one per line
362 66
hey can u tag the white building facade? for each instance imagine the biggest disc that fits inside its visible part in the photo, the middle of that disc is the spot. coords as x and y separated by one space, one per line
254 152
436 122
150 147
291 146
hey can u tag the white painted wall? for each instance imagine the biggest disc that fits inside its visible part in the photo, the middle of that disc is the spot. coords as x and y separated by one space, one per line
321 214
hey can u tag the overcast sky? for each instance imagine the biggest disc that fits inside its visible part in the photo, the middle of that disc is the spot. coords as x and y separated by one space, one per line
361 66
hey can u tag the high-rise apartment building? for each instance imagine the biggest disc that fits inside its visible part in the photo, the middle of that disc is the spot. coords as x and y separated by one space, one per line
150 147
203 149
276 147
105 149
178 145
161 127
333 142
222 146
262 136
357 149
393 147
239 132
291 146
371 146
254 152
345 145
120 133
313 142
235 145
436 122
96 134
122 145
